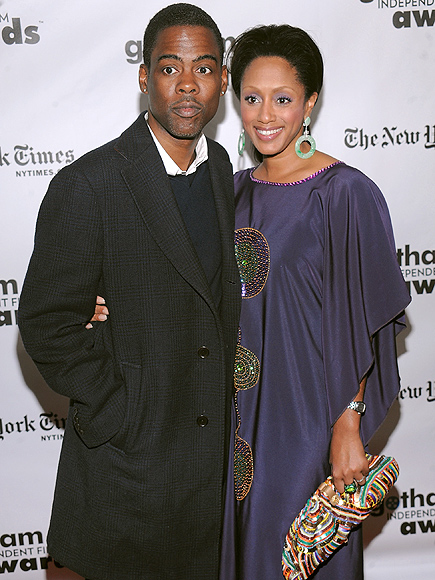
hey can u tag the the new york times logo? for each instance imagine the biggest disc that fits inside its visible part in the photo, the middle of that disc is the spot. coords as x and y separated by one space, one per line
16 33
133 49
426 393
418 269
23 552
408 18
49 425
29 160
388 137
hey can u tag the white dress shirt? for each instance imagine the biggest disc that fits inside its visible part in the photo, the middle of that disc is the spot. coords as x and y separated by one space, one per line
171 167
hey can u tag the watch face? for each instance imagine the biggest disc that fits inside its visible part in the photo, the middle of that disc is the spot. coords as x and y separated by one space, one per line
358 406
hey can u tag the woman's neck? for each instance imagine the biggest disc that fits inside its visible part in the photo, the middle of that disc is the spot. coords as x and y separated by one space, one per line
289 168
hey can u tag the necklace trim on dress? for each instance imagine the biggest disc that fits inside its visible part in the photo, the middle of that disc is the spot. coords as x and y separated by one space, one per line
292 182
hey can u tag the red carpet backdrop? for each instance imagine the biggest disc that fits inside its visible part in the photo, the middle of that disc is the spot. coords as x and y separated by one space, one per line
68 83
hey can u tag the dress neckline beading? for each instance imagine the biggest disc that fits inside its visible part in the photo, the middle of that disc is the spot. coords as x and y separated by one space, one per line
292 182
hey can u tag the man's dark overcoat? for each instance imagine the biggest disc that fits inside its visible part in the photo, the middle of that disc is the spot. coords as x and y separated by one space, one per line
141 476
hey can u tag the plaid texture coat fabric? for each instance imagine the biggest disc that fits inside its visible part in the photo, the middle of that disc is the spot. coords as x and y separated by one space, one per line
140 482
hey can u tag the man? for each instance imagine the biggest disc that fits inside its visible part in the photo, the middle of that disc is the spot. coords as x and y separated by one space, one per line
140 486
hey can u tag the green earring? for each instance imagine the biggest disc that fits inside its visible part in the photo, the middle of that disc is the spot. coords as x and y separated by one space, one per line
241 142
305 137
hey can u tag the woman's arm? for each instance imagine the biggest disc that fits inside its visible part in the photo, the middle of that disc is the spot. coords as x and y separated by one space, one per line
347 455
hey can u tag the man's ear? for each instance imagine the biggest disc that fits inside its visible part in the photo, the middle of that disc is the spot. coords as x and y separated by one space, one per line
143 78
224 80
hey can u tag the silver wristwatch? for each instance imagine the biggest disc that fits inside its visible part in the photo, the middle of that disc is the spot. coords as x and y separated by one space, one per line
358 406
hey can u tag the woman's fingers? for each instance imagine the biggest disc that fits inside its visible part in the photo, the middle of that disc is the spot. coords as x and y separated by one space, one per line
101 312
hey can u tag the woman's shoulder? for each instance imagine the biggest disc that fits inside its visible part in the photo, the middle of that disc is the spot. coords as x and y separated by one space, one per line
243 175
243 172
348 179
348 189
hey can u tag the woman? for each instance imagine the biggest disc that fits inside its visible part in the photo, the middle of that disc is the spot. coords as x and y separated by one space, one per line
323 297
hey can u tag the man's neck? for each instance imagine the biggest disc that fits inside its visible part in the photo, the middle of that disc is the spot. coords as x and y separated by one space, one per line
182 151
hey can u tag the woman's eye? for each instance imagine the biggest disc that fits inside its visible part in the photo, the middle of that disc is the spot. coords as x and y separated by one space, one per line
251 99
283 100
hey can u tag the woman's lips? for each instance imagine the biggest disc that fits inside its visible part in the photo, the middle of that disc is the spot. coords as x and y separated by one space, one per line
268 134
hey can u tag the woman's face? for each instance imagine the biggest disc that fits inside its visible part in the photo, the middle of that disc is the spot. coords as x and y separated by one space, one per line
273 105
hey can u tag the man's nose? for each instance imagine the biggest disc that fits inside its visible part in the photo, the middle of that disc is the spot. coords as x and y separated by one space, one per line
187 83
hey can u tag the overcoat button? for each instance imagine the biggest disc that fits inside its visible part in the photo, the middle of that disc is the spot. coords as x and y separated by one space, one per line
203 352
202 420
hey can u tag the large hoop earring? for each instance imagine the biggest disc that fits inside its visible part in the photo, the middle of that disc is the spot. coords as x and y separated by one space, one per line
305 137
241 143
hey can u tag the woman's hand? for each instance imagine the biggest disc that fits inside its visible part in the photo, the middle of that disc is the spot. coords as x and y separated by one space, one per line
101 312
347 455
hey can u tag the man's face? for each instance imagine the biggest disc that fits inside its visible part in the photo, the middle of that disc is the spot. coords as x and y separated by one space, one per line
184 82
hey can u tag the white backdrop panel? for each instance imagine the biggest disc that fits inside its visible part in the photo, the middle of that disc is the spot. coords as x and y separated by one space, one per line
68 75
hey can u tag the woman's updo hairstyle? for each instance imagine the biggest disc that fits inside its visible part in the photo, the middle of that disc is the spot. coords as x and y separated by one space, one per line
288 42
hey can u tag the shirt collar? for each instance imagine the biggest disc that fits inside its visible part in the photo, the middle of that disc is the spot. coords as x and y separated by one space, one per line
171 167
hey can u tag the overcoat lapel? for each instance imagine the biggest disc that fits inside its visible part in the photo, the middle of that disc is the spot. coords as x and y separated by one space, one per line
149 185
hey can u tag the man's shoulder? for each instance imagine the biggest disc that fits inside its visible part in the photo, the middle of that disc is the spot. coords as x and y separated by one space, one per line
216 150
116 151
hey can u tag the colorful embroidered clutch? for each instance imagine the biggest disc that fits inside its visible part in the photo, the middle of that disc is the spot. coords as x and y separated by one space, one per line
325 522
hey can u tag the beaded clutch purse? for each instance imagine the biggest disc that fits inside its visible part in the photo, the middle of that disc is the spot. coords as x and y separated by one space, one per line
325 522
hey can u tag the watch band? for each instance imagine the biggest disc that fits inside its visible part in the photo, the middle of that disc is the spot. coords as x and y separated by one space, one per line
358 406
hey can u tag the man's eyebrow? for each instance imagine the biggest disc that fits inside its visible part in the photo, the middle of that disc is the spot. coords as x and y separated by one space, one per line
205 57
197 59
169 56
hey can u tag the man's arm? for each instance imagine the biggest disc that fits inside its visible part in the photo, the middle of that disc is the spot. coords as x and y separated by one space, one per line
57 301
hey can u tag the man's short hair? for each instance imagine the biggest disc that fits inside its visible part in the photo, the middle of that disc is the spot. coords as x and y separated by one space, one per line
178 15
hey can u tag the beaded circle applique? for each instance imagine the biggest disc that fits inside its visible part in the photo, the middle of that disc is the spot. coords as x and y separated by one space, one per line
246 375
243 468
246 368
253 260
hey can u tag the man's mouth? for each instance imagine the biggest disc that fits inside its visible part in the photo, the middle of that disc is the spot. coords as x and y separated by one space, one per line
186 109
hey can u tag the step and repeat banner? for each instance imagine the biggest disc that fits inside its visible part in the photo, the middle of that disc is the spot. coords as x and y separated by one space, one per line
68 83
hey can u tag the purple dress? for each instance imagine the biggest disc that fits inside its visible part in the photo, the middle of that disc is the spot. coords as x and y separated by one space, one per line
323 298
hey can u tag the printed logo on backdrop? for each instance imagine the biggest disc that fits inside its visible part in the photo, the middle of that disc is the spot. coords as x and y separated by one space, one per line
31 162
390 137
418 269
134 48
24 552
48 426
8 302
426 393
409 17
15 31
414 509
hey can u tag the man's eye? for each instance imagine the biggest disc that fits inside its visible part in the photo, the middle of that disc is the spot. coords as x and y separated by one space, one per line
204 70
169 70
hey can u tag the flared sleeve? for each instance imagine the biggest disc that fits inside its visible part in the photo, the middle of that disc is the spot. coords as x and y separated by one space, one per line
364 297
